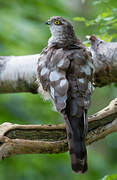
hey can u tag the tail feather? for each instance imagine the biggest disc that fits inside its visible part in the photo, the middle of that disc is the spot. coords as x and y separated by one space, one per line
78 152
76 131
80 166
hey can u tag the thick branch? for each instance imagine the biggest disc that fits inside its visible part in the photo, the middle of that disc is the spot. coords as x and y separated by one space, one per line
28 139
105 61
19 73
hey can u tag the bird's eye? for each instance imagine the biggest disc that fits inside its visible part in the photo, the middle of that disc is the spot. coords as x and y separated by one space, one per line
57 22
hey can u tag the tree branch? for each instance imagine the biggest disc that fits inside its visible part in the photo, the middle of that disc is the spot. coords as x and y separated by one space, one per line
19 73
28 139
105 61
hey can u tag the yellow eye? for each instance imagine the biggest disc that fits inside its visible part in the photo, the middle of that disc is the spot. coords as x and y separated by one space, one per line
57 22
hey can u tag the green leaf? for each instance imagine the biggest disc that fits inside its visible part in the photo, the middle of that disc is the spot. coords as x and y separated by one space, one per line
80 19
98 19
108 18
110 177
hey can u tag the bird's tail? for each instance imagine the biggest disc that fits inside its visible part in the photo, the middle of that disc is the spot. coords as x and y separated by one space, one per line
76 131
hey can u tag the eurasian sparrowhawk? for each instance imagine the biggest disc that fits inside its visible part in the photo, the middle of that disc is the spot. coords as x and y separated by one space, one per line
65 72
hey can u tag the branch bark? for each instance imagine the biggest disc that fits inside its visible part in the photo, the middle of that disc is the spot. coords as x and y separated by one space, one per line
29 139
19 73
105 61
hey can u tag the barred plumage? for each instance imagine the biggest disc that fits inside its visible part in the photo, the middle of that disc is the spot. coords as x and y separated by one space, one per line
65 71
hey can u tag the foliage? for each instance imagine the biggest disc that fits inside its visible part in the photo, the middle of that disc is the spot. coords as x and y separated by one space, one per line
22 31
110 177
25 24
105 23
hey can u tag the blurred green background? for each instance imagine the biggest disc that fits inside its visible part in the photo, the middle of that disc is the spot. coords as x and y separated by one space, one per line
23 32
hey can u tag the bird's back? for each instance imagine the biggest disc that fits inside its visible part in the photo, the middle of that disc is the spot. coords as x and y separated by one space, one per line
67 74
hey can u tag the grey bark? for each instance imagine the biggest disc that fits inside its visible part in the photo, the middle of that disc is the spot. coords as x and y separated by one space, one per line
105 61
19 73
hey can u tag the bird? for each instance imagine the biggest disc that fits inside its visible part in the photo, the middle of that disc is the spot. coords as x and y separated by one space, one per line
65 74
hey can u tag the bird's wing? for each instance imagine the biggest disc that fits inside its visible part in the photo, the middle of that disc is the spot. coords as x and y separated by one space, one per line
52 67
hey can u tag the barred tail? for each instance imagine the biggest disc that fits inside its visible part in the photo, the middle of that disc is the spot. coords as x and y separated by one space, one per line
77 147
76 131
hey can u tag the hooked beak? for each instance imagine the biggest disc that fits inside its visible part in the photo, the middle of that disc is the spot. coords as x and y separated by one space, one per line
48 23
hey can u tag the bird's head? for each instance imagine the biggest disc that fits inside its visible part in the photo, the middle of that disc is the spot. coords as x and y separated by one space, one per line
61 29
